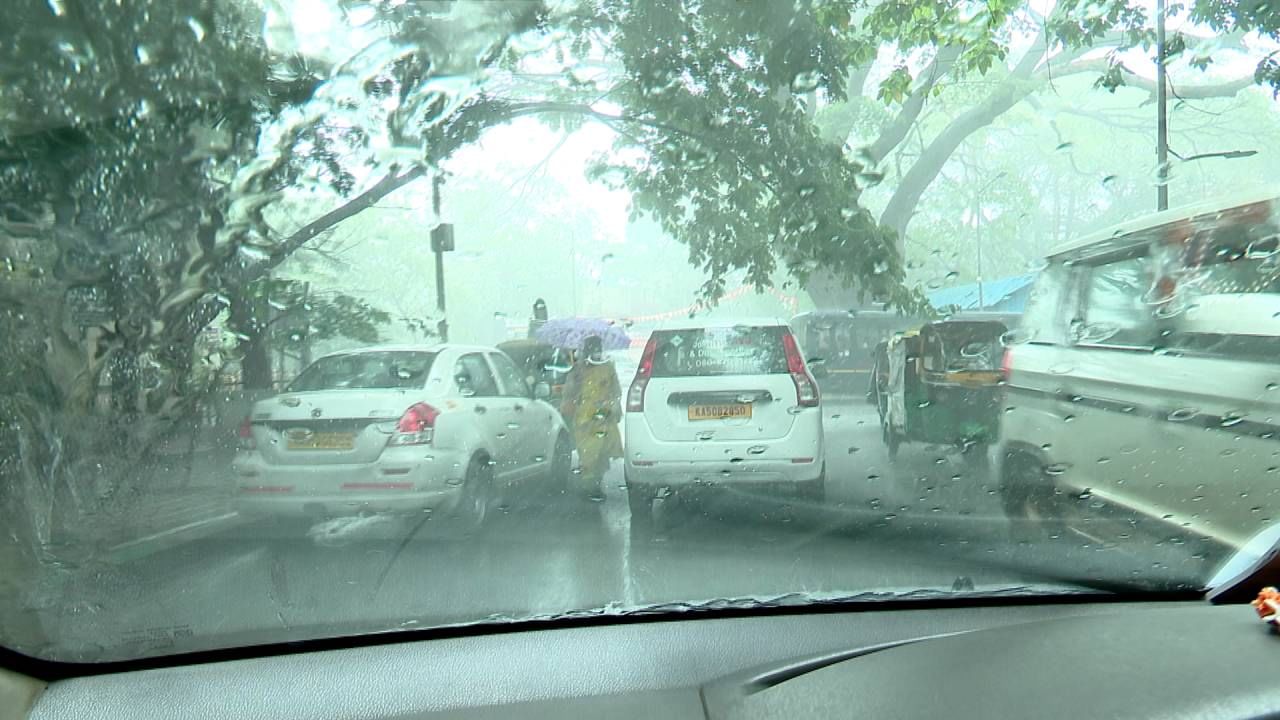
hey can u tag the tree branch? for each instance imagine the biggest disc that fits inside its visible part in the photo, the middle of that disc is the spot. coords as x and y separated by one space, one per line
1199 91
893 133
365 200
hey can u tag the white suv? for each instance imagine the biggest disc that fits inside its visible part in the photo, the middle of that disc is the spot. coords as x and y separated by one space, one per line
403 429
722 404
1142 386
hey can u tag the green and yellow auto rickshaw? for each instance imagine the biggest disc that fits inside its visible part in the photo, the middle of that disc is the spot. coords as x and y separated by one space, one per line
942 387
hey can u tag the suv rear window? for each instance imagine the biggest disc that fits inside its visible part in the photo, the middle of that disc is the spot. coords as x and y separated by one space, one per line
702 352
364 371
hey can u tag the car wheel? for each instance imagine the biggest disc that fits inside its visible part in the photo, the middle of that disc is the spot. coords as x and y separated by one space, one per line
814 491
472 510
640 502
1031 499
561 464
977 456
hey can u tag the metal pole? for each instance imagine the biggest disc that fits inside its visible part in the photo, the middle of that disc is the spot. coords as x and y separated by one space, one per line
977 207
443 325
306 325
1162 122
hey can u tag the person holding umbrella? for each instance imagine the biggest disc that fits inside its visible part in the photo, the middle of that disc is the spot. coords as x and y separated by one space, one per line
592 407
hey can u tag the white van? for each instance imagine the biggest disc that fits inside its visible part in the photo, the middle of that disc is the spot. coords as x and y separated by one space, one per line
722 403
1144 383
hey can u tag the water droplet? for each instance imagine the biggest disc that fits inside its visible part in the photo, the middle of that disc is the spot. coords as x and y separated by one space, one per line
1104 460
1068 418
1085 494
806 82
806 191
1055 469
144 55
197 29
255 253
1232 417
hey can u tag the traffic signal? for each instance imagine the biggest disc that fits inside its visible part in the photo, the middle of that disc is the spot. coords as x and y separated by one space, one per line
442 238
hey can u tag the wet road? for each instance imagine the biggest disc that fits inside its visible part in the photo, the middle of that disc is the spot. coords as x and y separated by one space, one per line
927 522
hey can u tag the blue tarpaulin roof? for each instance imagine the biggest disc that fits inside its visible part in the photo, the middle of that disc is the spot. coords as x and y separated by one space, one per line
1000 293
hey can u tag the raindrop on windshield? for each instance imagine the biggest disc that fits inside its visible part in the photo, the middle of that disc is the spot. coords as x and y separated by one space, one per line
197 29
806 82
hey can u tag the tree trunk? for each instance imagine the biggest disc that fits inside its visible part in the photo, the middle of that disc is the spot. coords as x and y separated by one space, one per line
902 206
255 353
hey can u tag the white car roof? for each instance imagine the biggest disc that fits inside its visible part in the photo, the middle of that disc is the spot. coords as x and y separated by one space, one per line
436 348
1117 233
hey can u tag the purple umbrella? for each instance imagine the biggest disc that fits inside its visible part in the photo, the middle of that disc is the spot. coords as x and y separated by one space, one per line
571 332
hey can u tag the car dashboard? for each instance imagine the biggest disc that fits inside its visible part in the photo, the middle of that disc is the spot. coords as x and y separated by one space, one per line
1183 659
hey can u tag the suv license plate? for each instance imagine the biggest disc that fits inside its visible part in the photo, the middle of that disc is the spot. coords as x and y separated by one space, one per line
719 412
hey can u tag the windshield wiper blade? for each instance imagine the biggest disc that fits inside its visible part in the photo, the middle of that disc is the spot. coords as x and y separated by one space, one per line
1254 566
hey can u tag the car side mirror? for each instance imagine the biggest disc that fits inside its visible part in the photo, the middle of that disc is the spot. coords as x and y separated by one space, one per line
542 391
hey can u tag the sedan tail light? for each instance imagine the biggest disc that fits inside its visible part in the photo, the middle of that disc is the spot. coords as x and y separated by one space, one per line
635 395
245 435
806 387
416 426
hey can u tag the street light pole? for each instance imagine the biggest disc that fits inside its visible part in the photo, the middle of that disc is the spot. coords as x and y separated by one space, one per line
977 231
438 245
1162 122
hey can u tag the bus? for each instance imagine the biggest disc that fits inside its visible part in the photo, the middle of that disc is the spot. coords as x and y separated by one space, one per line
846 340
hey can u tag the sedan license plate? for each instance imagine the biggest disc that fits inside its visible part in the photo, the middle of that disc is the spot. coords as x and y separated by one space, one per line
321 441
719 412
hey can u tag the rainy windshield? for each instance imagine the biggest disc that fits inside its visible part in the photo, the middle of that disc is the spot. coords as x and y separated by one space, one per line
335 317
365 370
719 351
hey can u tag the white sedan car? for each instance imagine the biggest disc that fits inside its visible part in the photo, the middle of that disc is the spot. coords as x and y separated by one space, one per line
447 428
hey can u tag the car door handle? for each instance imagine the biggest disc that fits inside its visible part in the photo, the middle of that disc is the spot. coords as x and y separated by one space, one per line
519 408
480 409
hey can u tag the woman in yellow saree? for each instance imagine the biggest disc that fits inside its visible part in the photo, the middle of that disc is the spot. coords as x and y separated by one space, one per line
592 407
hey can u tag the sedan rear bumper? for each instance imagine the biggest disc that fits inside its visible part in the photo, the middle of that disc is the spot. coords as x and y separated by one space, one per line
405 481
269 502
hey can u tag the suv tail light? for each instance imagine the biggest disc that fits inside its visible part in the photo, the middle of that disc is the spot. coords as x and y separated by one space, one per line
635 395
416 426
1006 365
806 387
245 433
